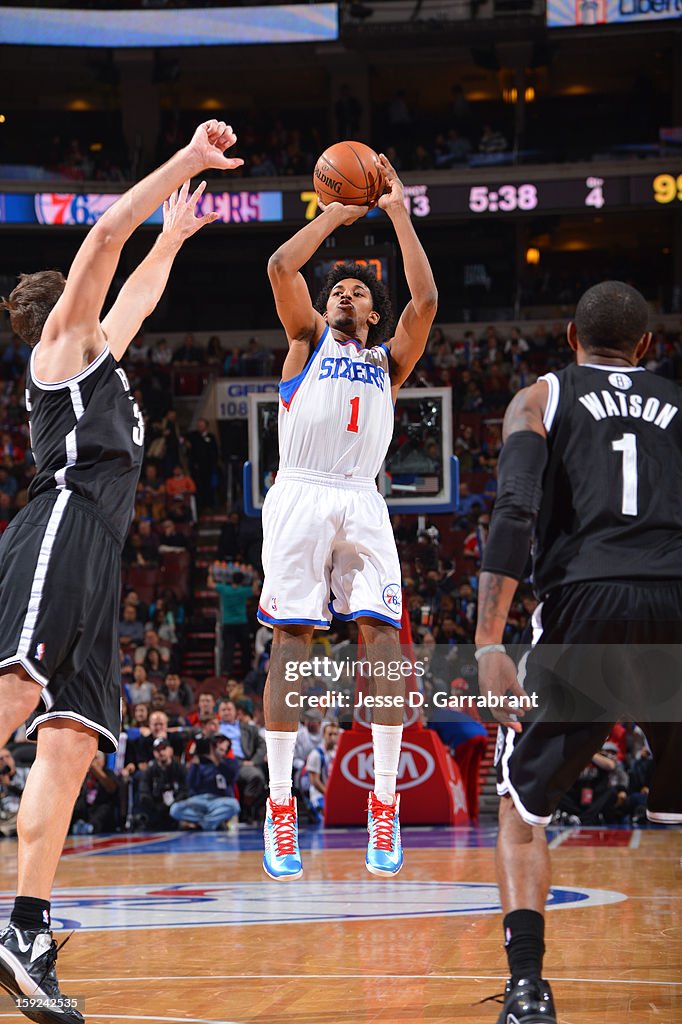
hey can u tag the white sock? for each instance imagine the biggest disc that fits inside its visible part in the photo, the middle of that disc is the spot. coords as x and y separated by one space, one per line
280 747
386 740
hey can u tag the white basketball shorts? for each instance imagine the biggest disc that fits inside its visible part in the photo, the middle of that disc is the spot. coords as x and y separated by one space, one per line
322 535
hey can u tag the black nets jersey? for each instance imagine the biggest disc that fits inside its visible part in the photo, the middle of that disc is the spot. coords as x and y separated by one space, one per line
87 436
612 494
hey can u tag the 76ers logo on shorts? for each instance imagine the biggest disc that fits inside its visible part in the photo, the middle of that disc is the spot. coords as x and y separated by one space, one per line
393 598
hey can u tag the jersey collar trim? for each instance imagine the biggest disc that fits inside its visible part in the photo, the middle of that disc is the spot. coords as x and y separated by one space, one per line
70 381
614 369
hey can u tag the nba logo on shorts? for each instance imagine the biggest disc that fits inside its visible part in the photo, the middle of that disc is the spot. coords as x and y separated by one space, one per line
40 652
273 604
393 598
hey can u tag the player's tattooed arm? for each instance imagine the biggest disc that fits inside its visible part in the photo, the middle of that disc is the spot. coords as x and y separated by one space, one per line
526 410
495 595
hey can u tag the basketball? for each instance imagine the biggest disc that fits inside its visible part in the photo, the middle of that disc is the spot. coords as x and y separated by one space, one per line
349 173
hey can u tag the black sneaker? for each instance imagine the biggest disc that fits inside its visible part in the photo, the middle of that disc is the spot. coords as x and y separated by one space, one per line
528 1002
28 972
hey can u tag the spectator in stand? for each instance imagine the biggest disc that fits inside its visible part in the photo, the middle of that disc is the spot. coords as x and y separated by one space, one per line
516 344
170 539
152 641
12 782
162 354
130 629
97 805
172 438
210 780
138 351
205 710
232 365
163 621
189 351
256 361
180 484
177 692
318 766
133 598
308 737
141 690
492 140
150 499
234 598
139 750
140 722
163 784
214 351
248 747
156 670
261 166
203 455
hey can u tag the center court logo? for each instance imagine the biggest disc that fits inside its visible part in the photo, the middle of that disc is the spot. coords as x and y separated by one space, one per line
393 598
257 903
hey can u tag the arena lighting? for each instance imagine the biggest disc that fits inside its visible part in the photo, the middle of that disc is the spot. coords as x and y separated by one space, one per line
2 118
532 256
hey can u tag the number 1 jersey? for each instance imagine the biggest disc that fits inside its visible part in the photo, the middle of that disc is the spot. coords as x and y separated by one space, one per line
87 436
336 416
612 499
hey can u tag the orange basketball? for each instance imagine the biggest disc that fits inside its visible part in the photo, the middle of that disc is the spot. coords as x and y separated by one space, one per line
349 173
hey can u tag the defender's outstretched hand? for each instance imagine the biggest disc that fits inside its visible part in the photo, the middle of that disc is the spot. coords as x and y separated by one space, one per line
179 219
209 143
348 214
394 197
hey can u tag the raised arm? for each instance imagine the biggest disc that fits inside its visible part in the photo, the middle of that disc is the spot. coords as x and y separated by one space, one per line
519 494
300 319
140 294
72 334
408 344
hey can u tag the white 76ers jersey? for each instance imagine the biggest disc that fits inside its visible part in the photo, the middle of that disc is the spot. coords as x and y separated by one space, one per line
336 416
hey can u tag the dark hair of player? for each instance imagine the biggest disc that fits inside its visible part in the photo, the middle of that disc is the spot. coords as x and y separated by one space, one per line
611 315
380 298
32 301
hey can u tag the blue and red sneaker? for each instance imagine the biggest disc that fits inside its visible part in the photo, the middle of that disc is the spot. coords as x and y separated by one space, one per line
282 857
384 849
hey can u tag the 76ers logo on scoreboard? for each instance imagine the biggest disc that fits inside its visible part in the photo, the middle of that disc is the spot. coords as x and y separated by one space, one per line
393 598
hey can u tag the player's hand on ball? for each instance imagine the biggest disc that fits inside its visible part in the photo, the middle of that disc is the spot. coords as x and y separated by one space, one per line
208 146
347 214
394 195
179 216
497 675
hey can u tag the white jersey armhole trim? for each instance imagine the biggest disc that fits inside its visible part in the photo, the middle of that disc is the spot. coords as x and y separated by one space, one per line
552 382
70 381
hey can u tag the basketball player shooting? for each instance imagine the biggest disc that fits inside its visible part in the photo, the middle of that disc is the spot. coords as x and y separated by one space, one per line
60 558
325 526
591 472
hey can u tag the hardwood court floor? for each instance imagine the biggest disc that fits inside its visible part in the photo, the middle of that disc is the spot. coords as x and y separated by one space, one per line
188 928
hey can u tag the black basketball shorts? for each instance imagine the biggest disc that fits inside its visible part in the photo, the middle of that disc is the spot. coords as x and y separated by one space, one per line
536 766
60 579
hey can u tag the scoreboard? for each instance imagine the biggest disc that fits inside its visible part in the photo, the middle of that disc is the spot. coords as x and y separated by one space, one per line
479 197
